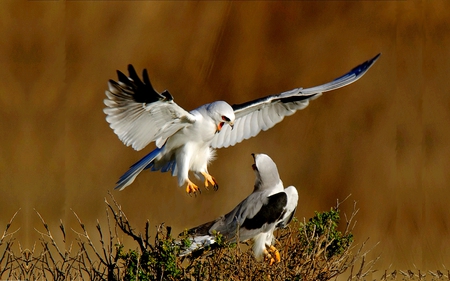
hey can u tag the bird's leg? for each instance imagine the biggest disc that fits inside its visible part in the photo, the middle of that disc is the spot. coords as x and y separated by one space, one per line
276 253
210 180
268 257
272 255
191 187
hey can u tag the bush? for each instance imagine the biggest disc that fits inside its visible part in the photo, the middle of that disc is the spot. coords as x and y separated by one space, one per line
325 225
312 250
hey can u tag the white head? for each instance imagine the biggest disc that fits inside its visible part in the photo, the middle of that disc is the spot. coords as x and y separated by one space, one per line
222 113
266 172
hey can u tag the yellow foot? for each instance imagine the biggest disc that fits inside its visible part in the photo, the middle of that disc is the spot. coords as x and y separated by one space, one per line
272 255
192 188
210 180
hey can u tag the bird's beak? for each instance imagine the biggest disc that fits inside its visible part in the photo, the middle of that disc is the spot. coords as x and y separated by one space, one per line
219 127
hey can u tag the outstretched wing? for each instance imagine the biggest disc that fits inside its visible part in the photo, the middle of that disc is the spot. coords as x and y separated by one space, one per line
264 113
140 115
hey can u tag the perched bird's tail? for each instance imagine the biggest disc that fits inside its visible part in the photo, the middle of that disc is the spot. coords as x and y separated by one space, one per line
197 238
128 178
196 244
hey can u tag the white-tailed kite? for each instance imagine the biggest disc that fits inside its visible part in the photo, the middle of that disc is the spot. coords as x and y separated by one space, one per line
268 207
185 141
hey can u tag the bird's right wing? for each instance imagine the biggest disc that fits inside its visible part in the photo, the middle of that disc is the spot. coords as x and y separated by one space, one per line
140 115
262 114
252 216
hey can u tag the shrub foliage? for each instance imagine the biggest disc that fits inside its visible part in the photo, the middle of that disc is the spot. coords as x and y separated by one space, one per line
310 250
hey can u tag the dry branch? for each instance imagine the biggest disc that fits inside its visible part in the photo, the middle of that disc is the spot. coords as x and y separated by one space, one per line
308 251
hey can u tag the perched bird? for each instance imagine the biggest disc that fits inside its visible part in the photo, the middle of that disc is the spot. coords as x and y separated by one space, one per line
185 141
268 207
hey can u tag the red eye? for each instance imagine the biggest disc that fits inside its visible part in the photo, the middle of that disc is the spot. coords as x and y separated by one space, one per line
224 118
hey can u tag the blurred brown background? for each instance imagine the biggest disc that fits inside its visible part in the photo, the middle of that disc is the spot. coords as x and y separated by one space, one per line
384 139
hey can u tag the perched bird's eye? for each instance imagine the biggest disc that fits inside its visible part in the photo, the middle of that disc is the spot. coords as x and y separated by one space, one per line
224 118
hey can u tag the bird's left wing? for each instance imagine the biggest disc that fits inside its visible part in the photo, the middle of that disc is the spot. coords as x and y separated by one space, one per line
140 115
264 113
291 206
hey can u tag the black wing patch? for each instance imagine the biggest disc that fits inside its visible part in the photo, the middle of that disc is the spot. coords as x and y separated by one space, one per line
269 212
284 223
142 92
357 71
272 99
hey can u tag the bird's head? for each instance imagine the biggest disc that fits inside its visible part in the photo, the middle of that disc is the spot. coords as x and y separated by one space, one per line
266 171
222 113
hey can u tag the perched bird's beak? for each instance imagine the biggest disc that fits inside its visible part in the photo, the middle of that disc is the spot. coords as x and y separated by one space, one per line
254 164
231 125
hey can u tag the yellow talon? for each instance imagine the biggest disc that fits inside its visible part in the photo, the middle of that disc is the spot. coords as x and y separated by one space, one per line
272 258
210 180
276 253
191 188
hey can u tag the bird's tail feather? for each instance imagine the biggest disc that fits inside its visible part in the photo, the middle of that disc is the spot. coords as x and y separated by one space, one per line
197 243
128 178
170 166
199 238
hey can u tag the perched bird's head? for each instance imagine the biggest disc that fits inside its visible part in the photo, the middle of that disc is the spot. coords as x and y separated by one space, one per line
266 172
222 113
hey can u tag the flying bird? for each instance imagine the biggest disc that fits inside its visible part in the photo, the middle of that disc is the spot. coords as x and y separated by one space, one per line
186 140
268 207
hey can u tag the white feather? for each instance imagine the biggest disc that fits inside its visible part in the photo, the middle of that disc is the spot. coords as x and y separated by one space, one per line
186 138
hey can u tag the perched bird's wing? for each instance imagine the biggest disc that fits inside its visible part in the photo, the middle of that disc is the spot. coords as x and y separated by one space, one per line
269 213
252 216
262 208
264 113
140 115
291 206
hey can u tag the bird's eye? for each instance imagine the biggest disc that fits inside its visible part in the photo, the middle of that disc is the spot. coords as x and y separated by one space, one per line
224 118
